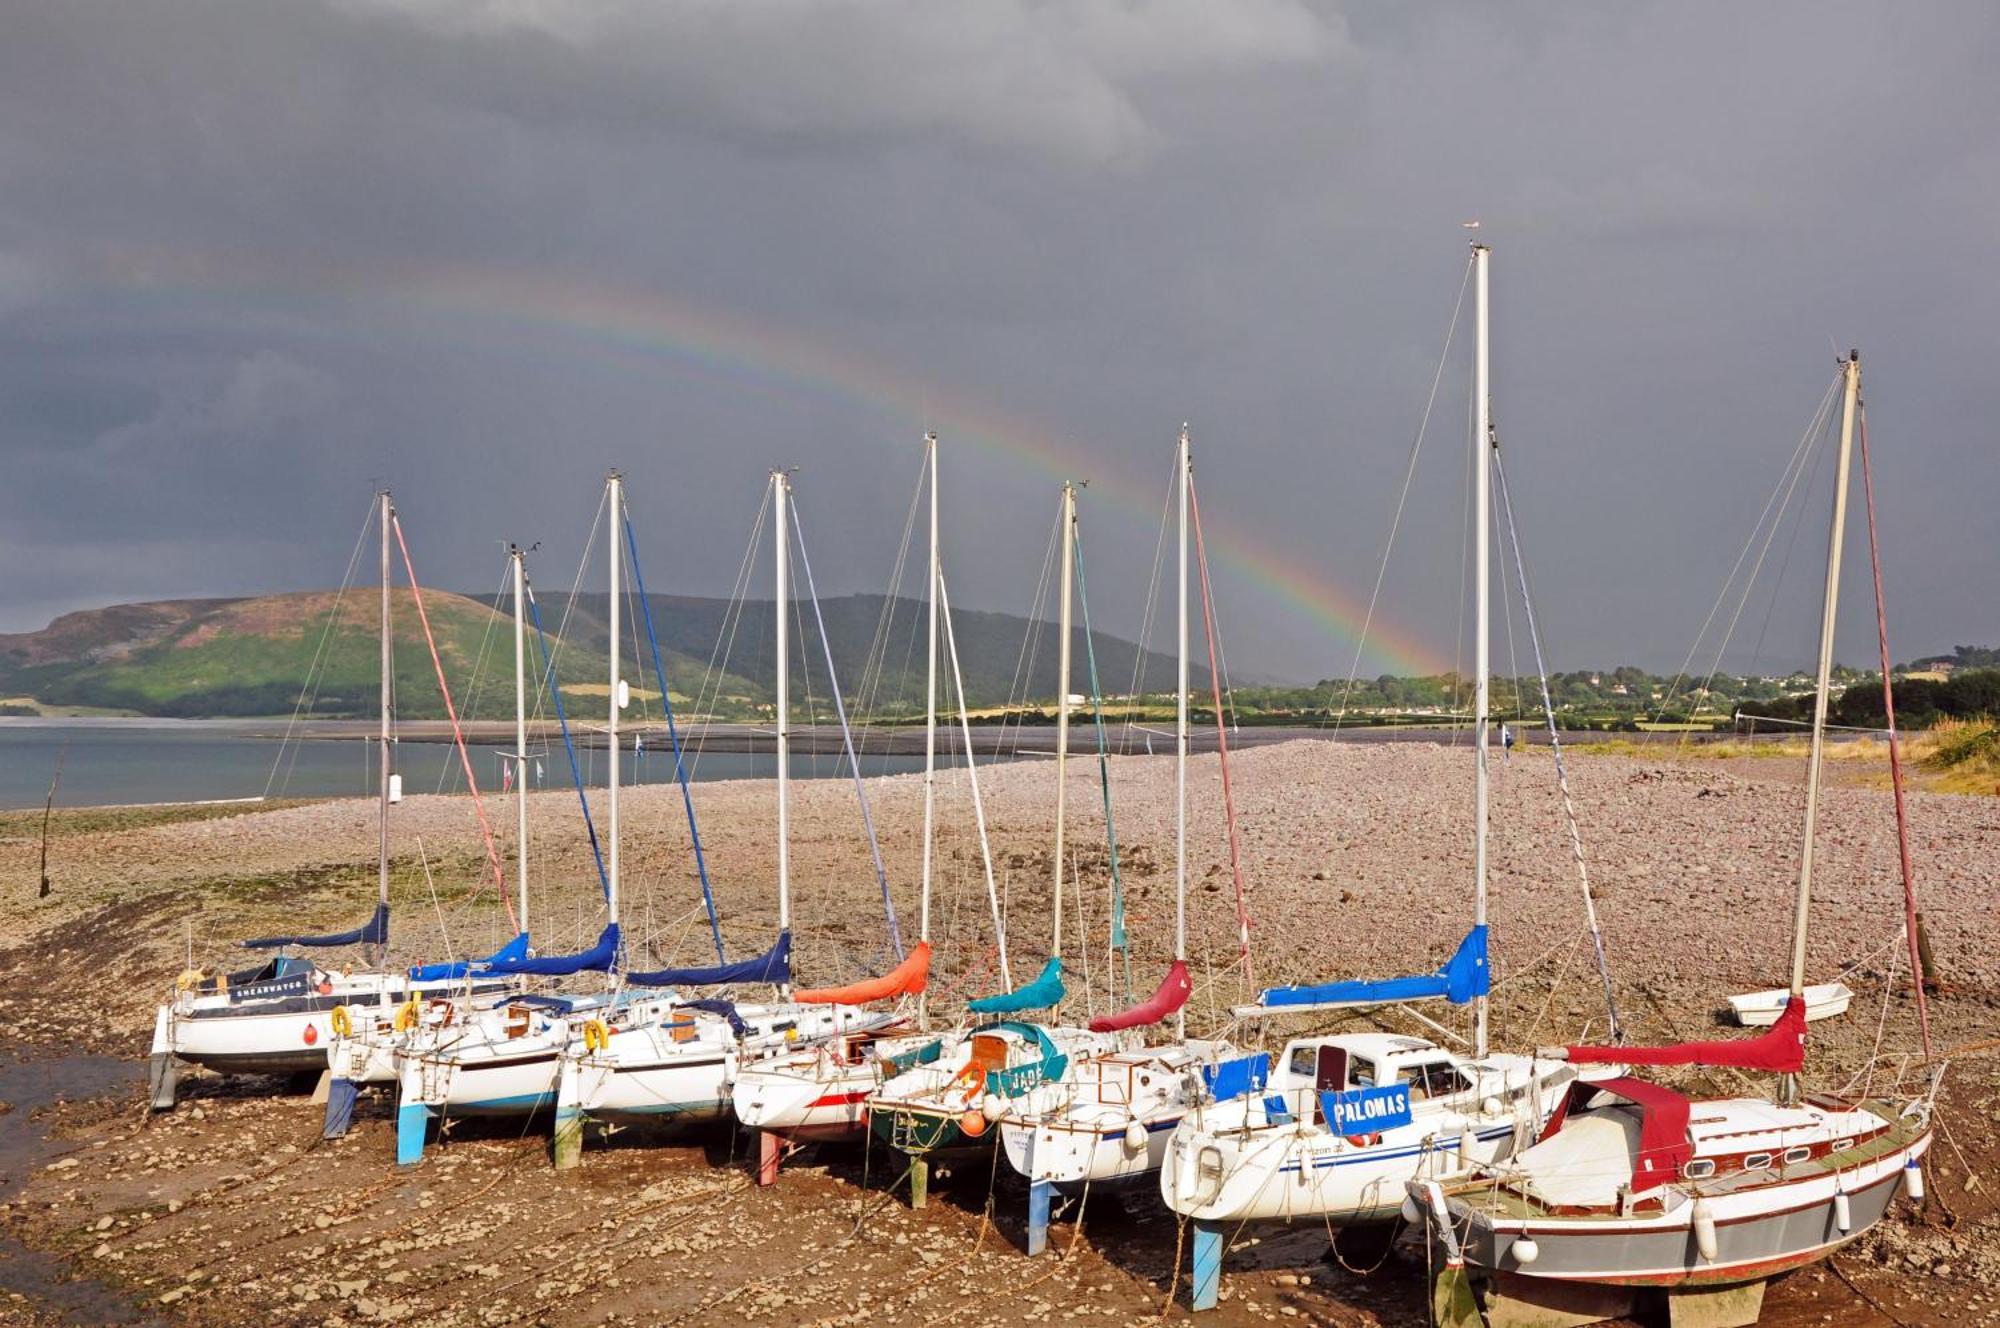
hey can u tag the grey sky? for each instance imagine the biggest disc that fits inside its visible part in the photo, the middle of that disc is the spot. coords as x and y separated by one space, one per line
252 255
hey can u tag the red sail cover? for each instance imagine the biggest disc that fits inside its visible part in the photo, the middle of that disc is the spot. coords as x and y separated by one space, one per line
1171 996
906 978
1781 1051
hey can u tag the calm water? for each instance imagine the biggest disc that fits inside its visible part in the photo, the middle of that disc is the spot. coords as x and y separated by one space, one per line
118 761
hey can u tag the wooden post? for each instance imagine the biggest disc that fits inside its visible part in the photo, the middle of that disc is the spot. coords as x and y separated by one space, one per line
920 1176
568 1147
1928 961
770 1151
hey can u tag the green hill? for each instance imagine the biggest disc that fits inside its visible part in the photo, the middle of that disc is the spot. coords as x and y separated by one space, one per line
204 658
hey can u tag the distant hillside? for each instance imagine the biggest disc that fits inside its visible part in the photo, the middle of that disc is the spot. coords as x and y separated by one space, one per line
203 658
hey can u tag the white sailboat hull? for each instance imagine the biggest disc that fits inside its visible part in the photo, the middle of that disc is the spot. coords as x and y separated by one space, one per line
1760 1009
1234 1162
286 1035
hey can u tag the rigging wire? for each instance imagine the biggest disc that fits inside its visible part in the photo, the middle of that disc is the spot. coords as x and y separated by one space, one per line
1221 734
1403 496
1506 504
458 734
1788 481
1150 616
847 739
710 694
1119 941
315 677
674 739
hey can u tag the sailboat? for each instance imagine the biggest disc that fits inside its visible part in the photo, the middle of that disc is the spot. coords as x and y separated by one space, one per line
658 1056
1334 1128
278 1017
1634 1189
366 1041
506 1061
819 1094
948 1095
1107 1120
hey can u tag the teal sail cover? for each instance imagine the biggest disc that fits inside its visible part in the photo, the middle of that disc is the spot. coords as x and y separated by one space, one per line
1045 992
1462 978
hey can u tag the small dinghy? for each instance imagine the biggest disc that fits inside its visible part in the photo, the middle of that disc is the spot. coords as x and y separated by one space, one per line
1760 1009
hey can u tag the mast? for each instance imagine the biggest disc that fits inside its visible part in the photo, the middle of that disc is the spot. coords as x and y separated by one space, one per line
930 708
780 489
1062 699
386 517
1482 434
1850 398
520 561
614 490
1185 464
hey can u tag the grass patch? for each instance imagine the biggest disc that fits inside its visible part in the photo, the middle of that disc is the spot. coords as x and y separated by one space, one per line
67 822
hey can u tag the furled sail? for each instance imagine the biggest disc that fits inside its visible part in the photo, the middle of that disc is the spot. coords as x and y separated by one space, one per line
1780 1051
773 966
373 932
1043 993
1172 995
1463 977
465 968
905 979
598 958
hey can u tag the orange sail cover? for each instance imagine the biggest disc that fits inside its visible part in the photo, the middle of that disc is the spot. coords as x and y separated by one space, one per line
906 978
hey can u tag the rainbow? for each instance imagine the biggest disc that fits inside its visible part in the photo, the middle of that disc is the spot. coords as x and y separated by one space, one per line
587 318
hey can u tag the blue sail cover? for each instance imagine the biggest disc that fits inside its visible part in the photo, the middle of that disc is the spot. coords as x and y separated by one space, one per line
465 968
774 966
599 958
374 932
1464 977
1041 994
727 1009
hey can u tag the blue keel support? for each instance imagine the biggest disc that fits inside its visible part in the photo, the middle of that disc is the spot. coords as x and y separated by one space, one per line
413 1121
340 1095
1207 1265
1038 1216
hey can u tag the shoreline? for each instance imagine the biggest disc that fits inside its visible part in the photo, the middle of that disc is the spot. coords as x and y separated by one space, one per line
1357 862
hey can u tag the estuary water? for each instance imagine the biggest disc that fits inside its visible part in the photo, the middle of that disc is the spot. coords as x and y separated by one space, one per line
117 762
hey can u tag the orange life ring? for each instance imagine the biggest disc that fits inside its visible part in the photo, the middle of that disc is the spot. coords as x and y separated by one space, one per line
1364 1140
341 1021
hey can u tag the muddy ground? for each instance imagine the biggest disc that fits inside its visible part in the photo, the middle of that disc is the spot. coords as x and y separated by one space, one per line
1356 860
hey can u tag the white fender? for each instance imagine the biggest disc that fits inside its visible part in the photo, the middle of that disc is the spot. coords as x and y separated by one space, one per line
1913 1180
992 1106
1526 1251
1135 1135
1704 1230
1843 1211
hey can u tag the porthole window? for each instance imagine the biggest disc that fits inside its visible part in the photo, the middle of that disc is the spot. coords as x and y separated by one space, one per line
1798 1154
1842 1145
1699 1170
1756 1161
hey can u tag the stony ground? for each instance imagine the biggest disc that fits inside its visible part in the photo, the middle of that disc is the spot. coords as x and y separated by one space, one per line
1356 859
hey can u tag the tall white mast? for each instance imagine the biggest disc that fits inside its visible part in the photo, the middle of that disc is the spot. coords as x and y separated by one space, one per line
1850 400
386 516
781 548
930 706
1062 700
1181 724
1482 435
614 490
520 561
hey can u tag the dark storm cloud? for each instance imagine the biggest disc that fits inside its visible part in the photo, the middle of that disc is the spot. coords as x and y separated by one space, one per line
1102 219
